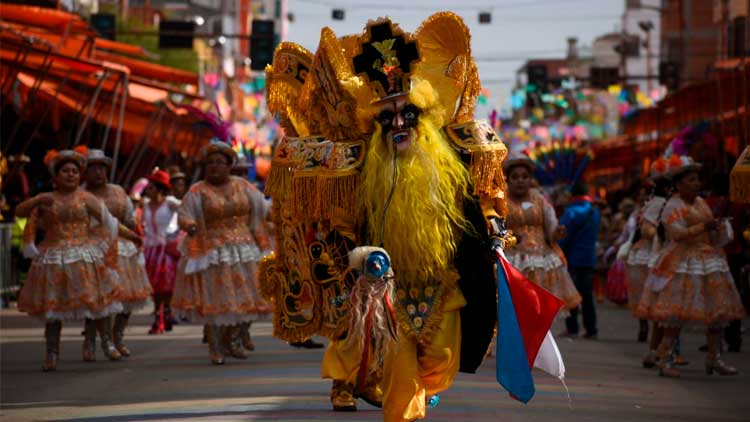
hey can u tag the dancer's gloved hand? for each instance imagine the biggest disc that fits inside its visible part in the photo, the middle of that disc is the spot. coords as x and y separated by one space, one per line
500 236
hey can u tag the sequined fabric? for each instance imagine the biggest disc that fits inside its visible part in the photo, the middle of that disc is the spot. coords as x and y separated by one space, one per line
533 222
70 279
217 279
690 278
131 271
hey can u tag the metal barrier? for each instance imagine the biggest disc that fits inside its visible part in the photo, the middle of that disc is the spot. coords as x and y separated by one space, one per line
9 277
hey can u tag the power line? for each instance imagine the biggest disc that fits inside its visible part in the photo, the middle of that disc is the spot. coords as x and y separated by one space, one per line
498 17
484 6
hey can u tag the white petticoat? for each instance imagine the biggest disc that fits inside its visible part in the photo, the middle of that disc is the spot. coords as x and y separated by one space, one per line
523 261
224 319
691 266
83 313
228 254
638 257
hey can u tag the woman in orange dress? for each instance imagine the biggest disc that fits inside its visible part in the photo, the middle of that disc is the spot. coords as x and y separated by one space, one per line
130 261
690 280
645 246
217 280
532 219
72 275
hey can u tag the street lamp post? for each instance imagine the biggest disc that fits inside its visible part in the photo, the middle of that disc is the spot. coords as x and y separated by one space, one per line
647 26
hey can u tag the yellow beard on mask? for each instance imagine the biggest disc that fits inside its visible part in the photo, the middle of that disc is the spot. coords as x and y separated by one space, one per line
422 222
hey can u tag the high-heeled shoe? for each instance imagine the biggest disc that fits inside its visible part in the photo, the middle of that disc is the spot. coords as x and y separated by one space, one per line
717 365
668 370
168 319
158 326
650 360
680 360
214 348
230 339
245 339
342 398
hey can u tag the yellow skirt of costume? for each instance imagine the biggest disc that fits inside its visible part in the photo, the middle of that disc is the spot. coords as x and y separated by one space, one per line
414 371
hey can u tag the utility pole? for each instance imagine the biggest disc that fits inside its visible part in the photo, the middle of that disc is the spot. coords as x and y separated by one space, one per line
123 9
647 26
683 59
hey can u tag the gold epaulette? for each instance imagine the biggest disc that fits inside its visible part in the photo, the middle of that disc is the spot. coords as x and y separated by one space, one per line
479 140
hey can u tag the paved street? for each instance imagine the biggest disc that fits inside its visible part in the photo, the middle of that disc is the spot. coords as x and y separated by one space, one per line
169 378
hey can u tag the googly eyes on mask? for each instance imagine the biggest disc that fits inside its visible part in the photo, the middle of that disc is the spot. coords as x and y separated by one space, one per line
410 114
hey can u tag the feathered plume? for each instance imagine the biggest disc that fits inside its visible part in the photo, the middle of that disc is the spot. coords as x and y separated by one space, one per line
219 128
82 149
49 156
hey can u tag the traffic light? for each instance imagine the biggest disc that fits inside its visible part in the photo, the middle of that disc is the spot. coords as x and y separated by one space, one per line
537 76
485 17
262 44
176 34
669 75
104 24
337 14
603 77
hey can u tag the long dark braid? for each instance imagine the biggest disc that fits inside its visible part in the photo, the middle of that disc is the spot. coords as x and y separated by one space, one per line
662 188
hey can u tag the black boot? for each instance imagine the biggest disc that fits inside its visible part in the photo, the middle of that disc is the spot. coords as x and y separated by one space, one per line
89 340
307 344
168 319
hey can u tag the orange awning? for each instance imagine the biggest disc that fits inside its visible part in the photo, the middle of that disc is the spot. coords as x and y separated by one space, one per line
43 17
119 47
76 59
150 70
137 116
77 46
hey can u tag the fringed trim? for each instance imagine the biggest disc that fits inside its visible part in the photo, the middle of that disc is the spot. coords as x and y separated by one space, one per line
469 97
320 196
296 334
739 180
486 169
266 284
279 182
423 336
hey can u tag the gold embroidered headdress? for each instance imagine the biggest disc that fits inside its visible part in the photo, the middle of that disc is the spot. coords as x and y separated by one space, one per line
328 97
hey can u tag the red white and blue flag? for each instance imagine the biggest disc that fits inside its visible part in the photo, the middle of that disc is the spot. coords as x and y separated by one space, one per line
525 313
